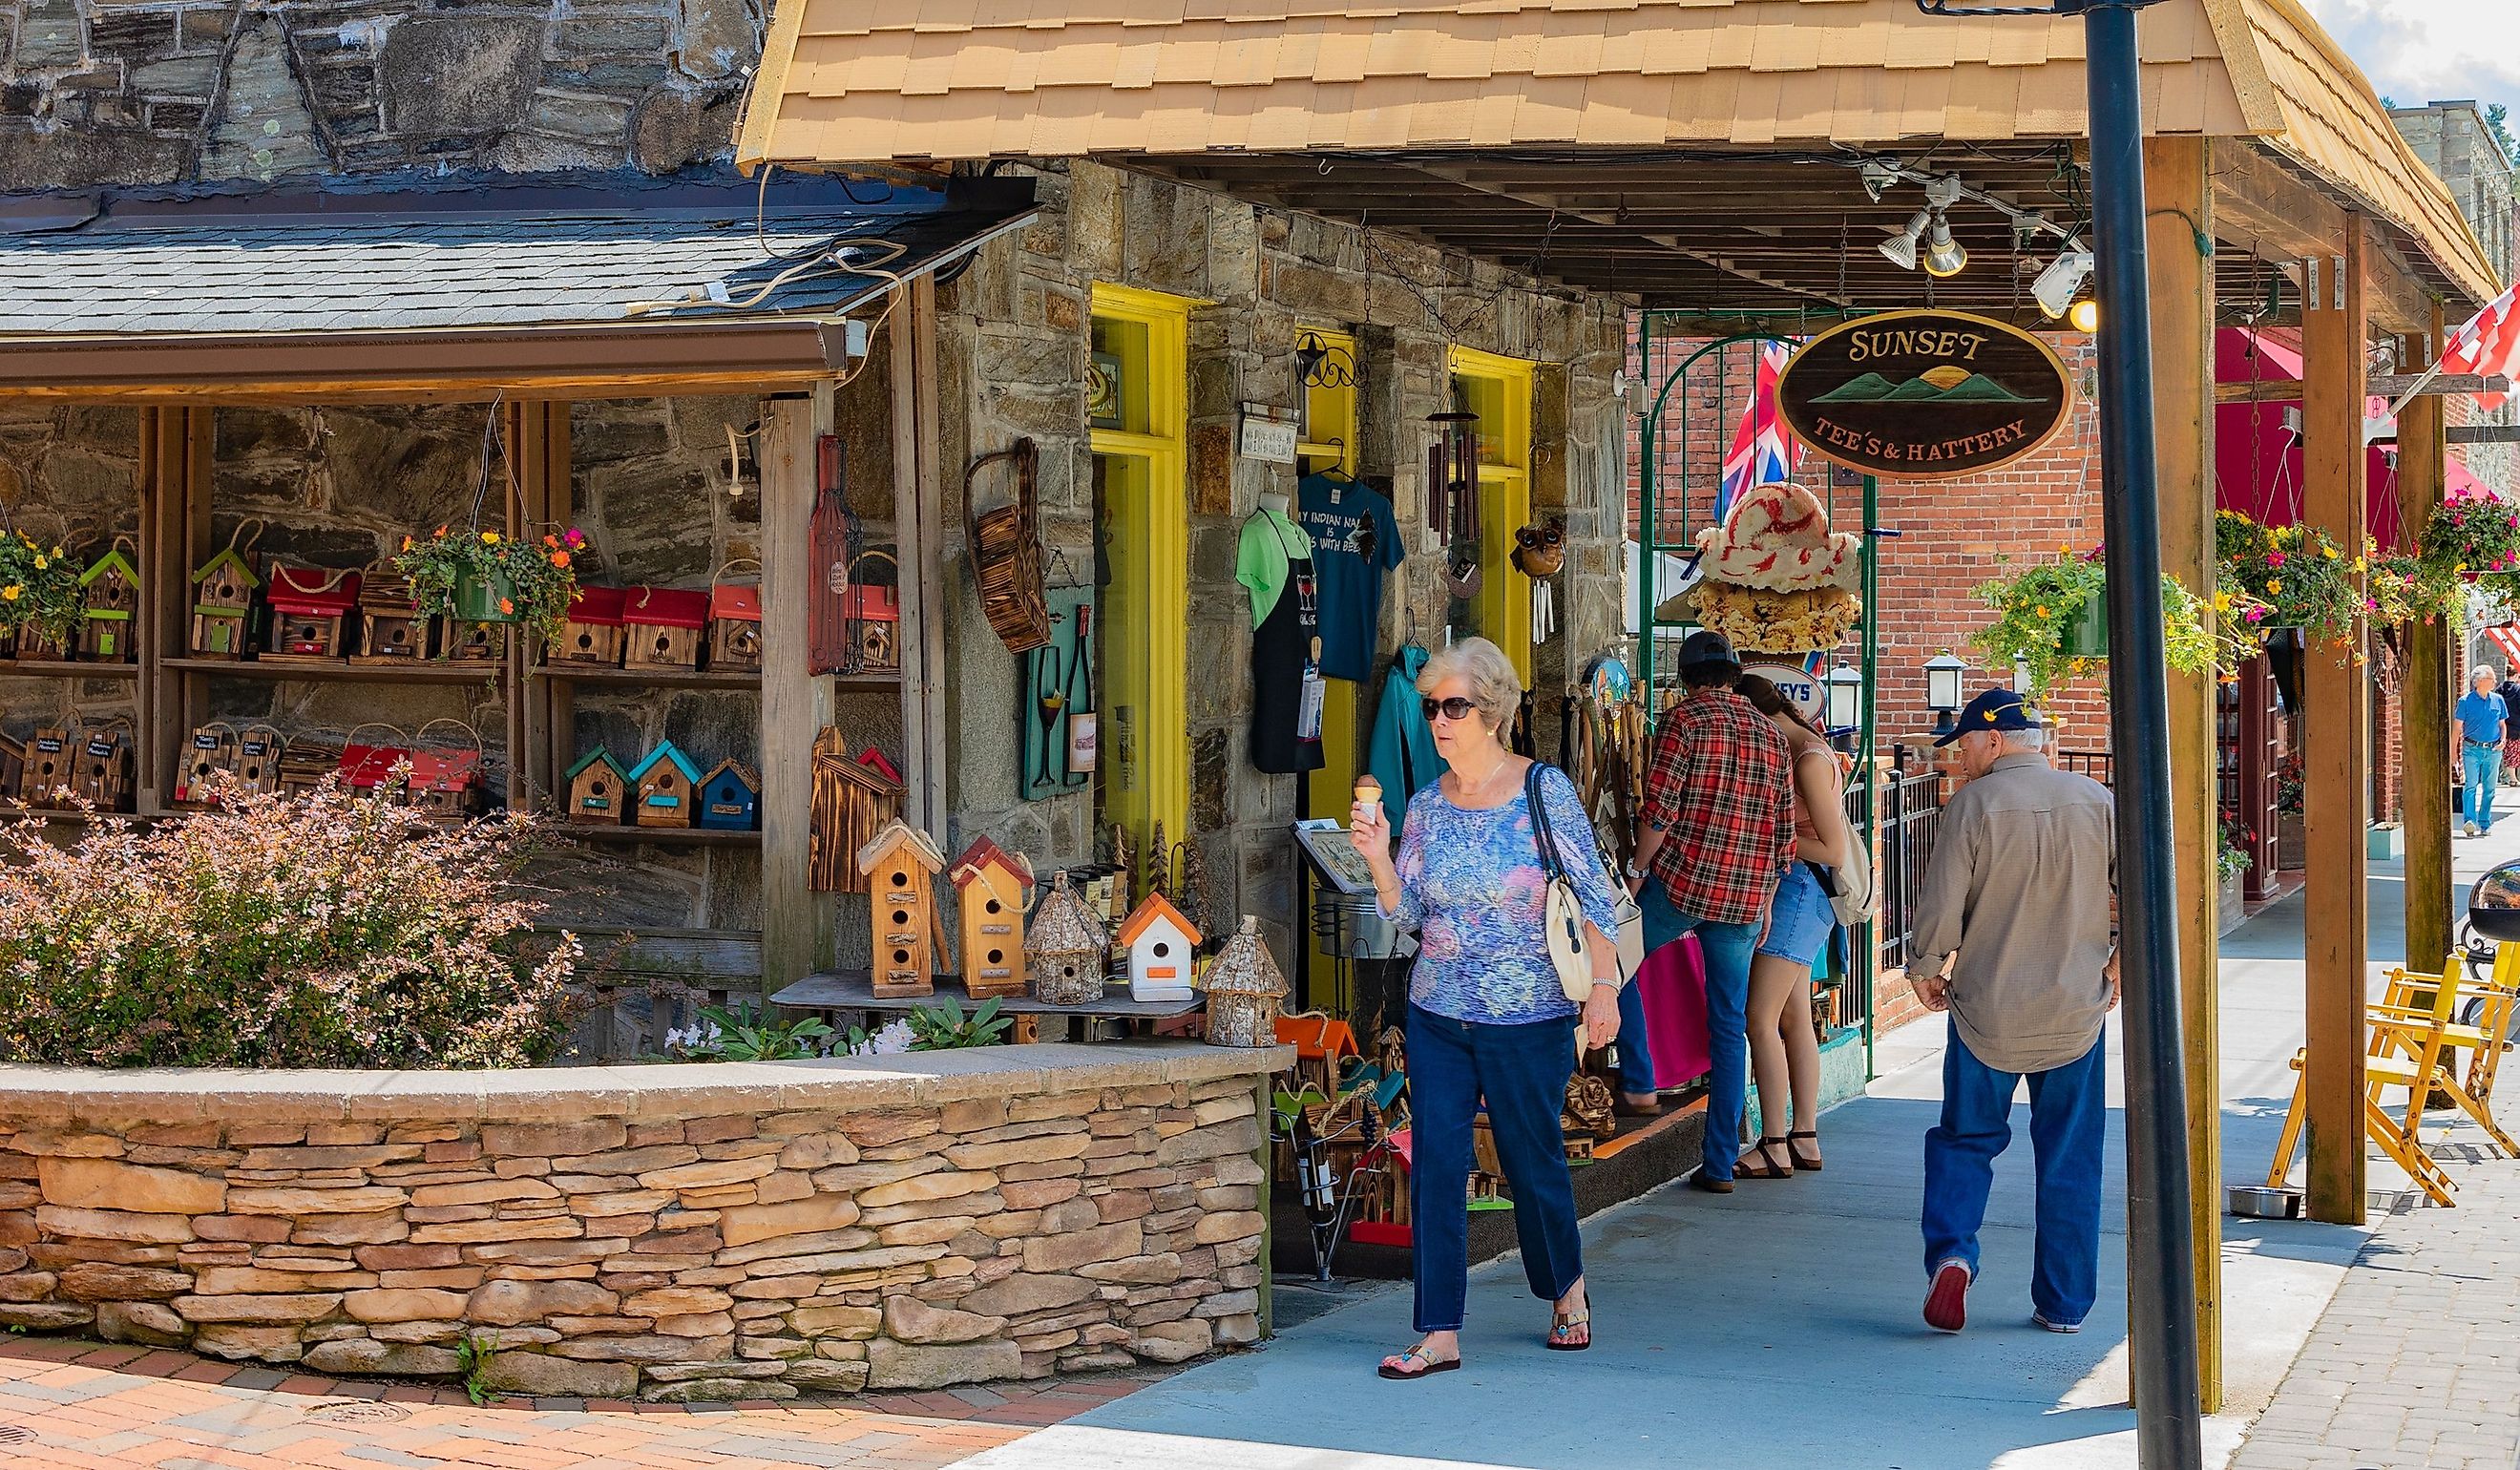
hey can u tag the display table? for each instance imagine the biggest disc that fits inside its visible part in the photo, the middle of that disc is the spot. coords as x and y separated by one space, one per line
854 990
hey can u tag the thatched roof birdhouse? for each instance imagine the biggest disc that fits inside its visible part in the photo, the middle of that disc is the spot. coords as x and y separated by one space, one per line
1243 988
1065 942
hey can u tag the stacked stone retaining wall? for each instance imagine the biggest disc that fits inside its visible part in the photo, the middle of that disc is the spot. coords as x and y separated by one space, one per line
736 1232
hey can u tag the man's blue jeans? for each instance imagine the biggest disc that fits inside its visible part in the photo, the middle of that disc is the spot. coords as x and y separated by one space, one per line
1521 1074
1727 949
2481 765
2067 1105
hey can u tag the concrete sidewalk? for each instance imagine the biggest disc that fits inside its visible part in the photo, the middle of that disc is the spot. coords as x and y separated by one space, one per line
1779 1327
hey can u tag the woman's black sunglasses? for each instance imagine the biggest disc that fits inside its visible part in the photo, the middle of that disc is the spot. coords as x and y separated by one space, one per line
1455 708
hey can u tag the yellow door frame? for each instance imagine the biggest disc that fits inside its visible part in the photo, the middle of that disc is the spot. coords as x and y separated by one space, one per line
1329 789
1505 494
1149 549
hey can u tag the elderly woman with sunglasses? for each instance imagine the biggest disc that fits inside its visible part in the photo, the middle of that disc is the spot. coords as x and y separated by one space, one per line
1488 1016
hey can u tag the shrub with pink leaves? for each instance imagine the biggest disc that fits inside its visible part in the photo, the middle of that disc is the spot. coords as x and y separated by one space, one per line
326 930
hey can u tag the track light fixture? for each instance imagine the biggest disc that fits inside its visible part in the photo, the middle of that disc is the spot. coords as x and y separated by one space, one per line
1943 256
2056 287
1900 250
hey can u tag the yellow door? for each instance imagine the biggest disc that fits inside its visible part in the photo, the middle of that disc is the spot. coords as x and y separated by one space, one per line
1499 390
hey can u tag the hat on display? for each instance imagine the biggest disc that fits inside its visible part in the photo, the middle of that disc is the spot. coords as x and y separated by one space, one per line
1704 648
1994 709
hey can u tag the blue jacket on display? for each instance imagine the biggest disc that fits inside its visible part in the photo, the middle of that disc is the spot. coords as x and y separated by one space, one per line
1403 754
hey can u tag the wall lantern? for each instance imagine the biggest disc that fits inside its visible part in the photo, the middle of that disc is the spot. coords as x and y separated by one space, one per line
1943 690
1845 700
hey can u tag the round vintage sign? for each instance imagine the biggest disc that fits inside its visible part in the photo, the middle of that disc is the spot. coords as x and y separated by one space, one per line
1802 686
1925 395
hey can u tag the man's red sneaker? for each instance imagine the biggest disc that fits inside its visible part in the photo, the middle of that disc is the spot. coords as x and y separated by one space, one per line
1947 1305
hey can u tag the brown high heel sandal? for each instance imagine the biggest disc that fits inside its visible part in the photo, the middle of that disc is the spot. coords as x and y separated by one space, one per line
1768 1167
1810 1165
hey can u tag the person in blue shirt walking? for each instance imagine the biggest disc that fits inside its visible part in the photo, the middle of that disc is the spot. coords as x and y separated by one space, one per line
2480 716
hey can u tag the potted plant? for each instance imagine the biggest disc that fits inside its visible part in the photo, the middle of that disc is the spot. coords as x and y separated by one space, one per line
485 577
2051 617
2296 571
39 590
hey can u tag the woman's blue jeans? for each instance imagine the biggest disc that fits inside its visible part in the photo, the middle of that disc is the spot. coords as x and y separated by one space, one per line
1521 1072
1727 951
2067 1108
2482 765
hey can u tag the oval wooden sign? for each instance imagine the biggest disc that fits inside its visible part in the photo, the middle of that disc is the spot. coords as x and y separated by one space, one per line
1925 395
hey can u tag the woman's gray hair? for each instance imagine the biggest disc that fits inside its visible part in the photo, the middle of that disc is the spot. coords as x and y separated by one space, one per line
1494 687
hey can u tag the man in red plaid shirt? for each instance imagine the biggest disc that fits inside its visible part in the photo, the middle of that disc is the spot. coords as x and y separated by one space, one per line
1718 832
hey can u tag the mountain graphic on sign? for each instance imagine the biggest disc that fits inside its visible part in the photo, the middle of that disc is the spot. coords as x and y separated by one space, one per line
1969 387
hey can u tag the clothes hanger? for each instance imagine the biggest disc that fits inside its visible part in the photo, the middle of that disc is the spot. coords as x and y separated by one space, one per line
1337 470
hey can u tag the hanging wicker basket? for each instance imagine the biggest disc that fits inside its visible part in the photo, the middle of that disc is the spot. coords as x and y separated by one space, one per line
1006 551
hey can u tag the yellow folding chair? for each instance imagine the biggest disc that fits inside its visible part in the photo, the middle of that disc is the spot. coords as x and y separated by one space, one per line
2399 1023
2424 1032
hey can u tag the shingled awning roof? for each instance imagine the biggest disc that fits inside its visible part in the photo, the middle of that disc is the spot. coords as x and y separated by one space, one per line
593 286
1204 84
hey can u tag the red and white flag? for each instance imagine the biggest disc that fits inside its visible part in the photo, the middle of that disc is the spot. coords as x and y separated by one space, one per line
2489 344
1763 453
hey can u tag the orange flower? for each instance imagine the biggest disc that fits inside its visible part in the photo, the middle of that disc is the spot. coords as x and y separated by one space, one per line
551 540
441 530
406 543
559 559
507 606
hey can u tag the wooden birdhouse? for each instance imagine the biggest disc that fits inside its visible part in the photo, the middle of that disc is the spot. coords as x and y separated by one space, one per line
210 752
989 884
51 761
664 783
306 764
448 781
13 768
1065 944
594 630
853 799
730 798
223 605
598 789
308 608
258 755
1160 943
391 631
1244 986
901 866
103 773
109 589
368 769
475 642
662 627
734 626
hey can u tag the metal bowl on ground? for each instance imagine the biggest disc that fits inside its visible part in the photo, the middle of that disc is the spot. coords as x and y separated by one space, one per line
2493 904
2263 1201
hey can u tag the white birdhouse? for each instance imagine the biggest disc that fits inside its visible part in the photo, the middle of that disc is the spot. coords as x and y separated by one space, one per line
1159 942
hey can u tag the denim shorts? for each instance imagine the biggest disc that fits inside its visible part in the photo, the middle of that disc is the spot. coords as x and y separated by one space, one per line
1800 921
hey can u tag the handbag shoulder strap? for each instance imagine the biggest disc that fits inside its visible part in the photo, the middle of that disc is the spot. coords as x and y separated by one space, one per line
1542 836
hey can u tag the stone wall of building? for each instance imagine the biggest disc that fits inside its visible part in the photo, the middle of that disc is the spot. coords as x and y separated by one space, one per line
178 92
1014 349
660 1233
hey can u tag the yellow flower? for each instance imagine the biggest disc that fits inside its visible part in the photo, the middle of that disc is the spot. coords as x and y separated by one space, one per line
2358 564
2274 588
2330 549
9 593
41 563
489 538
2041 610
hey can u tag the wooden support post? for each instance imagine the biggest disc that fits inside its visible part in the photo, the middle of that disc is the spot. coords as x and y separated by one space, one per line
551 736
175 444
796 704
2427 759
918 526
2180 193
2336 749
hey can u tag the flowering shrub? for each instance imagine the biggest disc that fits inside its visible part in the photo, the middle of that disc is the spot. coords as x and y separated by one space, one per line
39 589
2231 848
533 583
326 930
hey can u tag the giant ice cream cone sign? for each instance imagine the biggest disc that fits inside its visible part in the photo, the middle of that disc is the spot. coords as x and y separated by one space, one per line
1778 578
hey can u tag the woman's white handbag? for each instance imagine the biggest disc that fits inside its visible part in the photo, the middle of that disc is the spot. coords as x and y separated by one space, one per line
1562 911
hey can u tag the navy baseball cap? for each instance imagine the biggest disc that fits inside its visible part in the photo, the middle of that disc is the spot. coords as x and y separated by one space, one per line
1994 709
1705 647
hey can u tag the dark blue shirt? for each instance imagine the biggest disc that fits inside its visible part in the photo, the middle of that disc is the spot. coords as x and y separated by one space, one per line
1355 541
2482 717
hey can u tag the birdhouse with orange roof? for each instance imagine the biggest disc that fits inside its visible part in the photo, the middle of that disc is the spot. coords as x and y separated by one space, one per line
1159 942
989 884
901 865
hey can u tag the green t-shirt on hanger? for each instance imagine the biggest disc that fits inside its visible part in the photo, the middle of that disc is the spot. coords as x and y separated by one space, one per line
1268 542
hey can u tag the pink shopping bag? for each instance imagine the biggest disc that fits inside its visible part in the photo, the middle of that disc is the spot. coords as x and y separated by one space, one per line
1673 983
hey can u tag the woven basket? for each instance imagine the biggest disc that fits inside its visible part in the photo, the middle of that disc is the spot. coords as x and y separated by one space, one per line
1006 552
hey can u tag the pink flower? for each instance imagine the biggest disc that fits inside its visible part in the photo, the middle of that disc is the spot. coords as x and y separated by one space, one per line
2275 559
2257 614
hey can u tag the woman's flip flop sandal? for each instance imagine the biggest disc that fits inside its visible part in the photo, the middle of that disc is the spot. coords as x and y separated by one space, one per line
1569 1334
1433 1365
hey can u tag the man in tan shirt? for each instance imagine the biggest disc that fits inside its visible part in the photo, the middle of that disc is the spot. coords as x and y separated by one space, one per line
2011 935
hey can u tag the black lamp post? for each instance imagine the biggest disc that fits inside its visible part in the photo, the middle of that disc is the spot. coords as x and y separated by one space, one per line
1943 675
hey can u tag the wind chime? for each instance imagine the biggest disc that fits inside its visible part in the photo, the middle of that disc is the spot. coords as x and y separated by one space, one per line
1540 554
1453 497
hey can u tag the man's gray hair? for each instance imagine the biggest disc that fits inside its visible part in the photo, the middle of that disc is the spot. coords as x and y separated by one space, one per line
2034 738
1494 687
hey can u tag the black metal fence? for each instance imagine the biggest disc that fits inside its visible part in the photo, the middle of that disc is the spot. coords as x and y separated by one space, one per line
1912 810
2099 765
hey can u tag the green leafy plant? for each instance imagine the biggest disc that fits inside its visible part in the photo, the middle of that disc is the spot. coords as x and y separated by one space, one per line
2295 575
2036 606
742 1031
323 930
473 1356
2231 848
39 589
533 582
944 1028
2474 538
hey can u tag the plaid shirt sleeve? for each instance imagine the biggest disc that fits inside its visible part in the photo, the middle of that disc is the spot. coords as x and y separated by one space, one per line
1662 773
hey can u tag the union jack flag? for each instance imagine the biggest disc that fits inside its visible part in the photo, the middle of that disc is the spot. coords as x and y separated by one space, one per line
1763 453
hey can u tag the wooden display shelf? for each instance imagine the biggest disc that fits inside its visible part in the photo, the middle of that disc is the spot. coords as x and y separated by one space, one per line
663 837
63 668
416 671
854 990
705 679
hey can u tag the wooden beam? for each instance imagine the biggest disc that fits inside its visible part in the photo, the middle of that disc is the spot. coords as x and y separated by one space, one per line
2426 757
2336 754
2262 205
796 704
922 681
2182 291
2484 433
2387 385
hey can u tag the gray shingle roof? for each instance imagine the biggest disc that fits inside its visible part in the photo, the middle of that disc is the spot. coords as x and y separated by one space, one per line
486 257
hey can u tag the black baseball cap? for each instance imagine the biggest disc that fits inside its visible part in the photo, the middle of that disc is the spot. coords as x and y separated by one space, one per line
1706 647
1994 709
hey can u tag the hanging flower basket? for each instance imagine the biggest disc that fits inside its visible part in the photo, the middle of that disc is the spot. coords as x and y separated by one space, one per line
2051 619
2086 633
485 577
2295 574
39 590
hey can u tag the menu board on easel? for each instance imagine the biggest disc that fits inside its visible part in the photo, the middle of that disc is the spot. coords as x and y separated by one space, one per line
1057 703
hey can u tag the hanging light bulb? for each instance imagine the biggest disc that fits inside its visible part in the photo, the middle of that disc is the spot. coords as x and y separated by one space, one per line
1943 256
1901 249
2084 315
2057 285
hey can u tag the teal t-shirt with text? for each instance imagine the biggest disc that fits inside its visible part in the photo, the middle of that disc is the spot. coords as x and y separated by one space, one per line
1355 542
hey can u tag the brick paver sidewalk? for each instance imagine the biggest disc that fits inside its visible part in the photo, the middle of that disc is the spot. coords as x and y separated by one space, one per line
95 1408
2417 1360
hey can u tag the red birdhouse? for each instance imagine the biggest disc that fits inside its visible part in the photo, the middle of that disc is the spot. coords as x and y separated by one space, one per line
664 627
592 632
308 606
